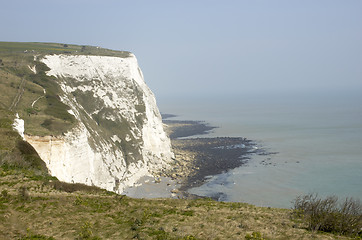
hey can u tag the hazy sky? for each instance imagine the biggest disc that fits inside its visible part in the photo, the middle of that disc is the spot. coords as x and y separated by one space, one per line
209 47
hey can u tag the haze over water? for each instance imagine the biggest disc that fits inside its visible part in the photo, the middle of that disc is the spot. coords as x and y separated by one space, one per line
318 138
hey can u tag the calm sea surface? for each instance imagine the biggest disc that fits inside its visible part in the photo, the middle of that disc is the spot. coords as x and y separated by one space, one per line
318 139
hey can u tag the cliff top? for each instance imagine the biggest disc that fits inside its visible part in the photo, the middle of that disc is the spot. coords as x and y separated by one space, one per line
57 48
26 89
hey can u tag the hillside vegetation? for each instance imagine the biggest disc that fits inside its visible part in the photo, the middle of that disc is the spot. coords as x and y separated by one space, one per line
37 206
27 90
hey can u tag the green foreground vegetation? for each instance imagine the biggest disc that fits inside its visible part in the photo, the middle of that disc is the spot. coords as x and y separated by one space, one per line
39 207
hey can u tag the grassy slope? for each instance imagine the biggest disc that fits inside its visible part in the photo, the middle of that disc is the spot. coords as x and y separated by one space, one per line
20 86
46 211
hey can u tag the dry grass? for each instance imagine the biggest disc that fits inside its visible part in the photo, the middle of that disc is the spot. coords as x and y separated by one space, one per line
82 211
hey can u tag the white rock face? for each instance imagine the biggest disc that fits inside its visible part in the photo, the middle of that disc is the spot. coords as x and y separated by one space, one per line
18 125
119 136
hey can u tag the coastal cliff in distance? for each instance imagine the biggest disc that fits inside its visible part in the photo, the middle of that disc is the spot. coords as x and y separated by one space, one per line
110 132
119 136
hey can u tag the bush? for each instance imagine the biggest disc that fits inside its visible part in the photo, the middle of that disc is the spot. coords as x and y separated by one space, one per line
189 213
4 193
47 123
189 237
73 187
328 215
23 193
5 123
254 236
36 237
85 232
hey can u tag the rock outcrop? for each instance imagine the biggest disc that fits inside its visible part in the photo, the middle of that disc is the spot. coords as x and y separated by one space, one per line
119 135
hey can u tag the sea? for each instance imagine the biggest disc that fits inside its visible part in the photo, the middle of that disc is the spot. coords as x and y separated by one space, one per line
315 138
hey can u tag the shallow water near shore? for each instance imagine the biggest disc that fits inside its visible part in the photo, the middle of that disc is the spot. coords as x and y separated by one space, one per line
318 138
147 187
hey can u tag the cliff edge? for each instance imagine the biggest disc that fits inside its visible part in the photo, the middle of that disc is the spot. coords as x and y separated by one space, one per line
86 110
118 136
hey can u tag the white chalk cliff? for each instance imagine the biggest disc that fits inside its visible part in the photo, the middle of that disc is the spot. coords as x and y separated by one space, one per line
119 135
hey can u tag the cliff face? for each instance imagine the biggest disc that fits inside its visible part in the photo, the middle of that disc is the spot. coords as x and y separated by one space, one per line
119 135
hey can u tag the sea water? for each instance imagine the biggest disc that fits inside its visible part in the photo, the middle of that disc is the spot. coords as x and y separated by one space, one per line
317 139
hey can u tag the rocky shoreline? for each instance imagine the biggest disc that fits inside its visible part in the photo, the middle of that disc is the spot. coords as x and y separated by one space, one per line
197 158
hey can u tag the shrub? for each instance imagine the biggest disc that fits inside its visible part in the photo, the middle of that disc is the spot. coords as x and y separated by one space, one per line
189 213
190 237
158 234
350 217
47 123
4 193
73 187
31 111
23 193
36 237
328 215
5 123
255 236
85 232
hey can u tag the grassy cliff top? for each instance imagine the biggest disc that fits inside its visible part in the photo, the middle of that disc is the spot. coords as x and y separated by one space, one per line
27 90
57 48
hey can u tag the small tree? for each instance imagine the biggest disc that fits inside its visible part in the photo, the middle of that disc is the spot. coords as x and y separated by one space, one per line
329 216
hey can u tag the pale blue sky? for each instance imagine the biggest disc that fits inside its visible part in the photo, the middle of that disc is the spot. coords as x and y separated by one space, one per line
209 47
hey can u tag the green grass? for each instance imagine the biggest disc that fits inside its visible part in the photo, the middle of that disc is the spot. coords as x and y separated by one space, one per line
19 82
34 207
57 48
15 152
49 116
